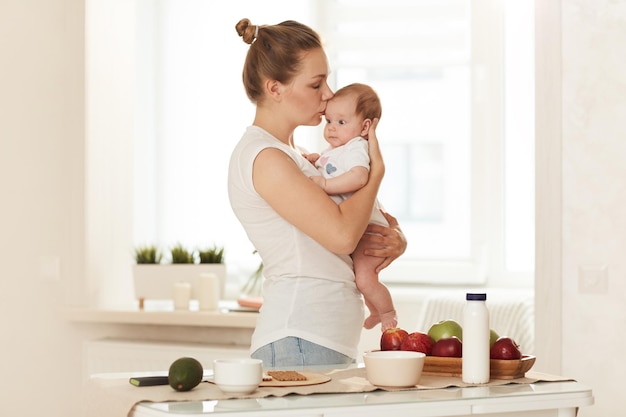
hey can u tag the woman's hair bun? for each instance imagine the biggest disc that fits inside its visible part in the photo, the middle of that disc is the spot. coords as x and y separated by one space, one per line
246 30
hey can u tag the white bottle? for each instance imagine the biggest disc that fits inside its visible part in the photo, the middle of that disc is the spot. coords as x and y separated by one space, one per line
181 295
208 291
475 369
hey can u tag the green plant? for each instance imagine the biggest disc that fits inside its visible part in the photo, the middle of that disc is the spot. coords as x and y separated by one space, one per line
148 254
214 255
180 255
254 284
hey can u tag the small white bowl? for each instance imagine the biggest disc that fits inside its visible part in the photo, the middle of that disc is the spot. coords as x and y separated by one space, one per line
237 376
394 368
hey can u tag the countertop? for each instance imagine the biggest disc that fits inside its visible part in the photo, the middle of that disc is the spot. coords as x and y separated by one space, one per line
543 399
347 394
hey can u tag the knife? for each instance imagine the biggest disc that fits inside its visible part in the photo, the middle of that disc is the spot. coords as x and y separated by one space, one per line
150 381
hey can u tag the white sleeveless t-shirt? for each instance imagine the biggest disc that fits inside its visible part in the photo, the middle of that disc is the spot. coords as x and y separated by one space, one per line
308 291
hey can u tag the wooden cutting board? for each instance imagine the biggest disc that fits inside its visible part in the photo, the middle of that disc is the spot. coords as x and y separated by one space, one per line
311 379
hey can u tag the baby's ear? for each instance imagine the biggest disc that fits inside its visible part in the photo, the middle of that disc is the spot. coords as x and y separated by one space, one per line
365 127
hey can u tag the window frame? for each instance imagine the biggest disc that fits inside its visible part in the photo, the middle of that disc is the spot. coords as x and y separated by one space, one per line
486 264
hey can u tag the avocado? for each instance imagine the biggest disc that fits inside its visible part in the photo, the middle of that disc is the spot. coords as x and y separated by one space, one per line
185 374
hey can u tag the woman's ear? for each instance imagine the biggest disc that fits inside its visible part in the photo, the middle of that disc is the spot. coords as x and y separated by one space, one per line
365 127
273 89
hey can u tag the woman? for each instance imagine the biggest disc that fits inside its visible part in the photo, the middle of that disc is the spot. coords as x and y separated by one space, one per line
312 311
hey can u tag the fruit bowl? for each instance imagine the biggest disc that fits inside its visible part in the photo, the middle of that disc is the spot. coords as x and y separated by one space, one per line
393 368
498 368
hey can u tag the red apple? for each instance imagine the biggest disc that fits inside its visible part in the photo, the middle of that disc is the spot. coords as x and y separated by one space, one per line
391 339
505 348
418 342
450 347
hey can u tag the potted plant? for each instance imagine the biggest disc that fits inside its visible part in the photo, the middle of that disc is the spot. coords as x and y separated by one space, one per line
149 254
155 279
254 285
252 291
180 255
213 255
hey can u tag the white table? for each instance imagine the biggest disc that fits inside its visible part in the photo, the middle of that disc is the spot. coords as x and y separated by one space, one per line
542 399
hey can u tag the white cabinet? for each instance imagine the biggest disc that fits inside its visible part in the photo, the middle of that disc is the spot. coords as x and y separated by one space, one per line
116 355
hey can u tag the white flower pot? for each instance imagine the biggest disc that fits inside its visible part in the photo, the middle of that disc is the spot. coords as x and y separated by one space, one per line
156 281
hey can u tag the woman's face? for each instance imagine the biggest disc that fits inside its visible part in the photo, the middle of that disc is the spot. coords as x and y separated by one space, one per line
307 94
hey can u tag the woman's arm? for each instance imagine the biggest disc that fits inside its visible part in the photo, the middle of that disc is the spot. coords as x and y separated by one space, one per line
337 227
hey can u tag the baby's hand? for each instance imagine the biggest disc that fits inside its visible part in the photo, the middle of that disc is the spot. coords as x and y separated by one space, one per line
311 157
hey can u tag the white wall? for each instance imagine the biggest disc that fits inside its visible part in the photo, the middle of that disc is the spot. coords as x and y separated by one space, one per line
42 176
594 196
41 214
109 129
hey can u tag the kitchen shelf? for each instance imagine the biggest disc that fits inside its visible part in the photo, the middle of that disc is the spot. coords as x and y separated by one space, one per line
228 315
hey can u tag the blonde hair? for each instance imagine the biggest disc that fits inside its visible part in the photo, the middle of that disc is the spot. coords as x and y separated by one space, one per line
275 52
368 103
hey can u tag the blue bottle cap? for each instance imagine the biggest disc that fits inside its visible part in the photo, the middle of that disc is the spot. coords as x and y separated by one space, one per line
476 297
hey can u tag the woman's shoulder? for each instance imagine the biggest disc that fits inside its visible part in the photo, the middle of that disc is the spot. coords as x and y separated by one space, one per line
255 133
254 140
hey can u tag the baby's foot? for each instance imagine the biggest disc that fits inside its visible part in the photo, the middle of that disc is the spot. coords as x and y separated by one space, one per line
371 321
388 320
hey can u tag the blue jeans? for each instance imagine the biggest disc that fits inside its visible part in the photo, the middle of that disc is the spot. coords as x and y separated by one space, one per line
294 351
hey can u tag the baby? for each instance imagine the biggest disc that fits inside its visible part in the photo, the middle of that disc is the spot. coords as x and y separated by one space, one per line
344 168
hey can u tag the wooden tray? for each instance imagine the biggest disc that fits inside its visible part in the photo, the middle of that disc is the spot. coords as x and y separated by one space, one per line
499 369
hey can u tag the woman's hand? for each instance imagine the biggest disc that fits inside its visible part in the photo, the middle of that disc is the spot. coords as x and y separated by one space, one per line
384 242
377 165
320 181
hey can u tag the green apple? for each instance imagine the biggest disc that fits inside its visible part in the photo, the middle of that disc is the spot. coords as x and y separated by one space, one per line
444 329
493 336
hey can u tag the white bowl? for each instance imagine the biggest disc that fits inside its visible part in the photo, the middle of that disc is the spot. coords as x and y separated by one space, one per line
394 368
237 376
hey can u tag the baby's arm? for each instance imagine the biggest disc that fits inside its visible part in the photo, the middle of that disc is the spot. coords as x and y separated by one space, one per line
347 182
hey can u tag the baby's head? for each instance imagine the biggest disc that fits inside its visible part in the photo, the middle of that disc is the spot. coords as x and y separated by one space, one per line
366 104
350 113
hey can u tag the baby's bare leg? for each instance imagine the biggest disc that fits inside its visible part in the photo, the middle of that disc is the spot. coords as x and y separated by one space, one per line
377 297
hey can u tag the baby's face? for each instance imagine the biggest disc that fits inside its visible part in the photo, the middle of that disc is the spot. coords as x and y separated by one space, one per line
342 123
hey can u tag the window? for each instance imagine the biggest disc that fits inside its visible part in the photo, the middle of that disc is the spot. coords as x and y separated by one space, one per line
191 112
456 81
420 58
457 129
